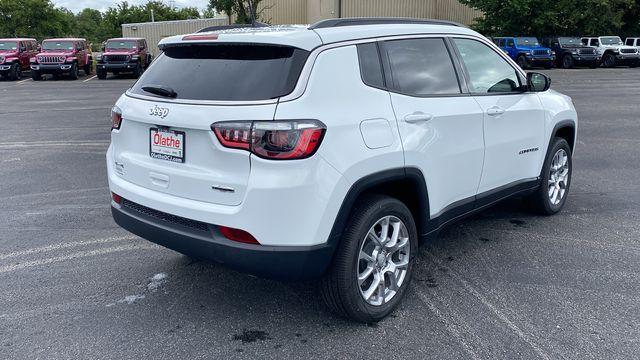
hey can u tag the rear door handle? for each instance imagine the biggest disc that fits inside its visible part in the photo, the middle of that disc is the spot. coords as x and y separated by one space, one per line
418 117
495 111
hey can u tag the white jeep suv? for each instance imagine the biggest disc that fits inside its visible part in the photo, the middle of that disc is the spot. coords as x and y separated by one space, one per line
613 51
329 151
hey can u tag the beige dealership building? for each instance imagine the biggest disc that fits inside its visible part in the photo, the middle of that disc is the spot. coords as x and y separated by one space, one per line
310 11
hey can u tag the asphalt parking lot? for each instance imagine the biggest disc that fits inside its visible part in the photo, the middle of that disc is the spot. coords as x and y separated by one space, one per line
502 284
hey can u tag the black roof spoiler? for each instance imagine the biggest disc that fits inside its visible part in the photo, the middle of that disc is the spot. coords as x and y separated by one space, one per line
331 23
233 26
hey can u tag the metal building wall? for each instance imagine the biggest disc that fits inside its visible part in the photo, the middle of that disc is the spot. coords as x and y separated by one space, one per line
284 11
435 9
156 31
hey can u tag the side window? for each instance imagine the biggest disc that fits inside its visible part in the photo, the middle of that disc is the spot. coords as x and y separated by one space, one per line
421 67
370 65
595 42
488 72
629 42
501 43
511 43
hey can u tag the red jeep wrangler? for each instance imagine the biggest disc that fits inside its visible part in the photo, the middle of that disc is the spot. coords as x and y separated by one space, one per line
62 56
15 55
123 55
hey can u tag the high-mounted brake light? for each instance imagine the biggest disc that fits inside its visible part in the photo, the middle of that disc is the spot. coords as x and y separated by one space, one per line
201 37
238 235
116 118
277 140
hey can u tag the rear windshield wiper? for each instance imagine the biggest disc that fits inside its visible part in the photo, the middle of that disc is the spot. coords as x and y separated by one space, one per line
160 90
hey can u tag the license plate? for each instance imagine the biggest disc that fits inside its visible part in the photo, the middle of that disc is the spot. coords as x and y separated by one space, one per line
165 144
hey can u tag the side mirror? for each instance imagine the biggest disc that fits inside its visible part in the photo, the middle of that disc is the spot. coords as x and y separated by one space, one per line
23 49
538 82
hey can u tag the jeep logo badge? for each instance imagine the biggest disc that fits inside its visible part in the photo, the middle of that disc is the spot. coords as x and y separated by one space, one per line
158 111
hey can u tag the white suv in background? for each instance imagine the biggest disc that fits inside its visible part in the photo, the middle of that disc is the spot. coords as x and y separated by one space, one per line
329 151
613 51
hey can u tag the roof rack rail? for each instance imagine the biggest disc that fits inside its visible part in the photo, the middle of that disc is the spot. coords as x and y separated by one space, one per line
338 22
232 26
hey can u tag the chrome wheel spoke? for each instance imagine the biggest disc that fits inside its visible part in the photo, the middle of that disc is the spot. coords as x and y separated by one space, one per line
366 257
365 274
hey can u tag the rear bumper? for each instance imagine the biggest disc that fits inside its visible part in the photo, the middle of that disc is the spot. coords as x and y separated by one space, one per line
52 68
275 262
120 67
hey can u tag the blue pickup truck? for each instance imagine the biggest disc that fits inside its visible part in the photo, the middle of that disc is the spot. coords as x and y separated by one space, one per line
526 51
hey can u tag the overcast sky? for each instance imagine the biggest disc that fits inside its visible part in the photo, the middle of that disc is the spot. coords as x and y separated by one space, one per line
77 5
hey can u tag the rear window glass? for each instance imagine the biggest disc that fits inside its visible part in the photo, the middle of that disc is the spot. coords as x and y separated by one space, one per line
231 72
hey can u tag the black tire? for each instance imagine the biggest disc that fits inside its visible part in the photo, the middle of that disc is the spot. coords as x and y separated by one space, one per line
522 62
73 73
138 71
35 75
540 200
568 62
14 72
609 61
102 74
339 287
88 68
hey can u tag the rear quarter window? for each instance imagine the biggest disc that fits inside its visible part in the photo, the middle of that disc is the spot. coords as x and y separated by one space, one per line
228 72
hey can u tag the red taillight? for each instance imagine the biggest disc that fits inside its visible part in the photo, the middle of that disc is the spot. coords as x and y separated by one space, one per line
278 140
233 134
116 118
238 235
116 198
201 37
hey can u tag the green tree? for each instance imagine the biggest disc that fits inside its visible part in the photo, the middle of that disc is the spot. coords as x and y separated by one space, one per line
240 8
551 17
34 18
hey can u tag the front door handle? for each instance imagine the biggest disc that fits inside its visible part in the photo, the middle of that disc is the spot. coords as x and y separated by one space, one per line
495 111
418 117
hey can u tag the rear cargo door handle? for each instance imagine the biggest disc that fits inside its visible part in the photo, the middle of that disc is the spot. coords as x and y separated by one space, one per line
418 116
495 111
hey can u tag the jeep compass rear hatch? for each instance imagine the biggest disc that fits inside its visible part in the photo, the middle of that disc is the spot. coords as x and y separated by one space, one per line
166 143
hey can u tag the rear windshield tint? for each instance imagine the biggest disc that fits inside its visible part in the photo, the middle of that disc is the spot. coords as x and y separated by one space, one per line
225 72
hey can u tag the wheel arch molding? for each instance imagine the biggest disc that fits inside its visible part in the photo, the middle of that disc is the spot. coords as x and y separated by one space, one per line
406 184
565 129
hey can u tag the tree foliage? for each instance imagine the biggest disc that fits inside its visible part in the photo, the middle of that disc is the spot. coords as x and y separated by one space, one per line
240 8
555 17
41 19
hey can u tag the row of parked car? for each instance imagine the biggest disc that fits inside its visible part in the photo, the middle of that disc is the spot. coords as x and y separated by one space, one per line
568 52
69 56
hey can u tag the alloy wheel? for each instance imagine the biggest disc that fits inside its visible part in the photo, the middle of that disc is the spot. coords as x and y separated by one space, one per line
558 177
383 260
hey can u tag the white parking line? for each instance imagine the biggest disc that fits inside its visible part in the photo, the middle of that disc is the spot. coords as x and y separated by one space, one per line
527 338
91 78
77 255
23 81
64 246
447 324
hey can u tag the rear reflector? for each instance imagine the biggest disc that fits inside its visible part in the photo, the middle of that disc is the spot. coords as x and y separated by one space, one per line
238 235
201 37
116 198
